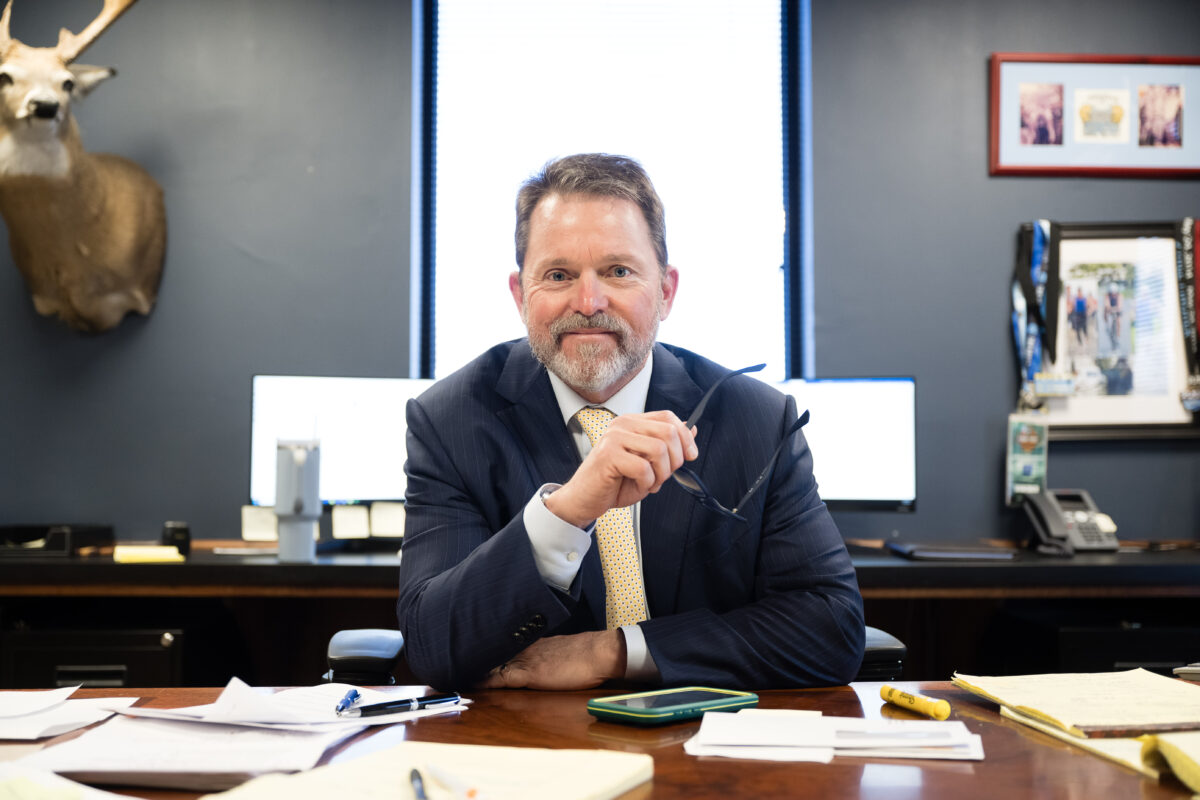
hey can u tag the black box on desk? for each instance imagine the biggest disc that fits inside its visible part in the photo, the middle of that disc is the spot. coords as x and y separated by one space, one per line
97 658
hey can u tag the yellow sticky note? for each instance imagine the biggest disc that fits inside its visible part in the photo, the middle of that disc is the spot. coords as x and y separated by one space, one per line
146 554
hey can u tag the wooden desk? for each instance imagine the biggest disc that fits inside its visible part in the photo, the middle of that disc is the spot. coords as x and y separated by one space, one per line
906 598
1019 762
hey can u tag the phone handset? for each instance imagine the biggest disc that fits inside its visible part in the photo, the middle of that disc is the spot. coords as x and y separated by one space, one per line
1066 521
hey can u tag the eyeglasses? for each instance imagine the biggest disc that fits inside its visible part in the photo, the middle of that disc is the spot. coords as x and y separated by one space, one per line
691 482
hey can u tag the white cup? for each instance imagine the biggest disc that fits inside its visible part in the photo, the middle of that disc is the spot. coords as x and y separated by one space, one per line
298 499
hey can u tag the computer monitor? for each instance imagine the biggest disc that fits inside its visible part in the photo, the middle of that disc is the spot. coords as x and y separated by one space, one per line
863 439
359 422
862 436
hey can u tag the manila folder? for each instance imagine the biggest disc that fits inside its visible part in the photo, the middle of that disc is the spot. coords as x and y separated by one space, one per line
460 770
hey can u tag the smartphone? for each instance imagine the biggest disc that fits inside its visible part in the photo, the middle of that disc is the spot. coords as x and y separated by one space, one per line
668 705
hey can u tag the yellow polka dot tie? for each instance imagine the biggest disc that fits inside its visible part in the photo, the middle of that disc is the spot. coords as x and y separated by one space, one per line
625 602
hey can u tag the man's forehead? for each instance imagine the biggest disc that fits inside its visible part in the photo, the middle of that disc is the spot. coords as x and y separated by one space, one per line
554 202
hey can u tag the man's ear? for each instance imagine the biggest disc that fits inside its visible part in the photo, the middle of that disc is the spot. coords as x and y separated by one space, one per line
518 294
88 78
670 285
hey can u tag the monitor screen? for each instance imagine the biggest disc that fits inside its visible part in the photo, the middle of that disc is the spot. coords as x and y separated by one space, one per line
863 439
359 422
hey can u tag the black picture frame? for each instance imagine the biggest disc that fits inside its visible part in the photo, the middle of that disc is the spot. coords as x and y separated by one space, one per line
1099 350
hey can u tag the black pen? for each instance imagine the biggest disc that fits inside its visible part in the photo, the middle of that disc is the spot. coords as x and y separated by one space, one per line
396 706
418 784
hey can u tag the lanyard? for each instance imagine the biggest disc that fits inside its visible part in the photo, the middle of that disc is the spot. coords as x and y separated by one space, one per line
1035 298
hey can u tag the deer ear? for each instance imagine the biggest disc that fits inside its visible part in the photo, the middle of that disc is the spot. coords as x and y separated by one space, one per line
88 78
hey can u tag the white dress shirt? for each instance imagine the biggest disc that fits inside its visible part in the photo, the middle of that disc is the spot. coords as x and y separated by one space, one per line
558 546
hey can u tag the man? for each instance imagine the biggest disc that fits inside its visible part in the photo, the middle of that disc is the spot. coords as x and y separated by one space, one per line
520 565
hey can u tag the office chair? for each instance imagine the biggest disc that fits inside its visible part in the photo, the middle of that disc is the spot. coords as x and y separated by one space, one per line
369 656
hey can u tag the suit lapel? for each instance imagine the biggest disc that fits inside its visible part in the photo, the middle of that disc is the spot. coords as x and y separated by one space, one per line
536 420
534 417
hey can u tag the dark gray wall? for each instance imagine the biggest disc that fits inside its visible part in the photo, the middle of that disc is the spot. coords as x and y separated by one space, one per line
281 133
280 130
914 243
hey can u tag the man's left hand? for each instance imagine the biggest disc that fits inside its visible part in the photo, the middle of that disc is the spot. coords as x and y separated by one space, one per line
577 661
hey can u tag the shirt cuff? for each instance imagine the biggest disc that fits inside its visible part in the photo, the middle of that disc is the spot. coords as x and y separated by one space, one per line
558 546
639 664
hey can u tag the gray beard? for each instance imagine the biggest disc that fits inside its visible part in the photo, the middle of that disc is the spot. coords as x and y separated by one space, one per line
592 371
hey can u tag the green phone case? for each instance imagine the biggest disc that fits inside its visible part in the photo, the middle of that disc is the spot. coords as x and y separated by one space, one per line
608 708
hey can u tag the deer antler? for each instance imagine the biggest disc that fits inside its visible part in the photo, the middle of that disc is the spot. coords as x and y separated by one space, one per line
5 39
71 45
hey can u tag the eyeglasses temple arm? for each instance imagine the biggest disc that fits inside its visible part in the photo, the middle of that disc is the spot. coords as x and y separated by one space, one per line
695 417
762 476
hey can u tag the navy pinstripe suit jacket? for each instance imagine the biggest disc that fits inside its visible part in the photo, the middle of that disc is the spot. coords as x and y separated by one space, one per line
767 603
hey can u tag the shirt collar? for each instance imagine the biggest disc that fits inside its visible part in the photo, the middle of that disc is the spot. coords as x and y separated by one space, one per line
631 399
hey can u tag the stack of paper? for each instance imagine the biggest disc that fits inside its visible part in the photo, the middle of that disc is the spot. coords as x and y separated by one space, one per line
309 708
181 755
1096 703
1144 721
461 771
37 715
245 733
784 735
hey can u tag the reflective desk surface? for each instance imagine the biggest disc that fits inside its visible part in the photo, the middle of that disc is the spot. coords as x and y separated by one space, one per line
1019 762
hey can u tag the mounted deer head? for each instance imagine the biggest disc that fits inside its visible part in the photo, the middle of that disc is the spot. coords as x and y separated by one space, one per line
87 230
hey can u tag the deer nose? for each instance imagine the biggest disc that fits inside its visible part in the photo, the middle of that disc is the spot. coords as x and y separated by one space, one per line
43 109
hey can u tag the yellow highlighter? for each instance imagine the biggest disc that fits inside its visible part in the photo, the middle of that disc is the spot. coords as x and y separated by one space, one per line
938 709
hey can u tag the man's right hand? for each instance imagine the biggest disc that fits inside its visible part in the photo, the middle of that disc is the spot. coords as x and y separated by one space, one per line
633 458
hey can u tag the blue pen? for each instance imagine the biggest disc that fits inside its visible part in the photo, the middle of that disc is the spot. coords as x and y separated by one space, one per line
350 699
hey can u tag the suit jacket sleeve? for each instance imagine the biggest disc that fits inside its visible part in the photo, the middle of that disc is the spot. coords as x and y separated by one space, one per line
471 596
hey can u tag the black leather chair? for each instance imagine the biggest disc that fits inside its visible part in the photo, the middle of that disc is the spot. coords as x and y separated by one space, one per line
369 657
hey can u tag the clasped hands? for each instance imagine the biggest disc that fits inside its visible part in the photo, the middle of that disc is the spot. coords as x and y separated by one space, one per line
637 454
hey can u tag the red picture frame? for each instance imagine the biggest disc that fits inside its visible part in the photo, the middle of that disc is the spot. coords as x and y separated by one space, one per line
1060 114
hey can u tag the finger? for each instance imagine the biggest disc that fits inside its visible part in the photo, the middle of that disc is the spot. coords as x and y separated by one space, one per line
633 468
662 442
493 680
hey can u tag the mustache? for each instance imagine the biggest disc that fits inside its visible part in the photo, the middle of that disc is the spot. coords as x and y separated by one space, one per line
598 321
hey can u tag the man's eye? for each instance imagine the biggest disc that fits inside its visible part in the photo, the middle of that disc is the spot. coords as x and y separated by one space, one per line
557 277
621 272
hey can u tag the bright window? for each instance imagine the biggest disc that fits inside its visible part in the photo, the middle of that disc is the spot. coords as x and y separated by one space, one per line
690 88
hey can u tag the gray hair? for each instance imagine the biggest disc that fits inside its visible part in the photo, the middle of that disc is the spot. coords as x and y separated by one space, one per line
598 175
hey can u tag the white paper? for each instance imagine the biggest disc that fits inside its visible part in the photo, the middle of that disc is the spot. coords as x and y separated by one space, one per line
309 708
782 735
146 752
819 755
718 728
15 704
61 718
970 750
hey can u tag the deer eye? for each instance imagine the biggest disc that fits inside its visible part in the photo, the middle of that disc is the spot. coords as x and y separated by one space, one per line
5 80
68 86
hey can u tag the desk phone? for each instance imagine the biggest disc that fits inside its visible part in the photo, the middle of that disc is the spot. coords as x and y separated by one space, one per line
1067 520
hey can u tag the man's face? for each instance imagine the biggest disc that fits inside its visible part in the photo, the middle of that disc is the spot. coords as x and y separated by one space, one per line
591 292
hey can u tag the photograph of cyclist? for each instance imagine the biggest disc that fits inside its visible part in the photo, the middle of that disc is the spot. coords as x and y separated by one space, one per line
1112 304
